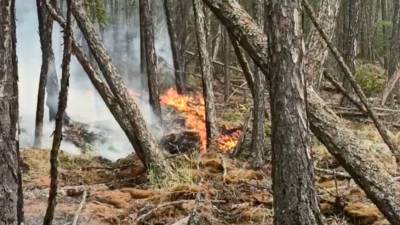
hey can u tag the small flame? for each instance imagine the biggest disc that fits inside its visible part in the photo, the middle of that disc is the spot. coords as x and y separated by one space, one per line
193 109
228 142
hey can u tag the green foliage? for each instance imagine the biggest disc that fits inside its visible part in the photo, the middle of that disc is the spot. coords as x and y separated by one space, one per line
97 11
371 78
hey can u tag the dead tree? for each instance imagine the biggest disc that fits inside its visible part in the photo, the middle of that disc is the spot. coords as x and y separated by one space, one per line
173 36
62 105
259 101
102 88
146 23
341 142
205 64
317 51
154 157
11 200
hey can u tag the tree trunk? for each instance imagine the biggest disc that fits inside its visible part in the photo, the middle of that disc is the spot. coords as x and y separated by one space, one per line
154 157
244 64
317 51
381 187
176 57
10 191
295 198
146 23
62 105
350 41
227 78
205 64
395 43
47 68
384 32
102 88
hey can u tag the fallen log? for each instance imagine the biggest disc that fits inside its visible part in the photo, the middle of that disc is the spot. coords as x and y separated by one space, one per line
344 145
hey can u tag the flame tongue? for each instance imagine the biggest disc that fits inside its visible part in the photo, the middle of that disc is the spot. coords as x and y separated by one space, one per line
193 109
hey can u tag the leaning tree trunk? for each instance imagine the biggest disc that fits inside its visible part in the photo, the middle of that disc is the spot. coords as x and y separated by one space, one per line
317 51
295 197
154 157
102 88
146 27
62 105
205 64
259 101
10 191
340 142
173 36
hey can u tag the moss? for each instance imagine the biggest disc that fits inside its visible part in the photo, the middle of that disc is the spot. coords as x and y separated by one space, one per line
371 79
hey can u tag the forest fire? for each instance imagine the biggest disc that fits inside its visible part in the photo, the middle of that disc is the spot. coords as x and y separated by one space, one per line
192 108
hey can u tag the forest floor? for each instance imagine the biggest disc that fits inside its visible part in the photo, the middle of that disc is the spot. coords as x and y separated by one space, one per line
224 190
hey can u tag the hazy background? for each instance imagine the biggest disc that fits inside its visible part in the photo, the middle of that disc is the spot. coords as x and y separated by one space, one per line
121 37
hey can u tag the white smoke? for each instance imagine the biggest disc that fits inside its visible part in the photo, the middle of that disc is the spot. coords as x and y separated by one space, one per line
84 104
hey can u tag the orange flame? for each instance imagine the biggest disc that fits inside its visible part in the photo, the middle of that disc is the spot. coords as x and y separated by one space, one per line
193 109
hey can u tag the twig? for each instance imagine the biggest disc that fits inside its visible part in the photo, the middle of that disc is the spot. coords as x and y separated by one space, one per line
224 173
78 212
333 173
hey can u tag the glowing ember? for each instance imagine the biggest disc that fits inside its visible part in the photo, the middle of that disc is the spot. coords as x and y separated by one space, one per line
193 109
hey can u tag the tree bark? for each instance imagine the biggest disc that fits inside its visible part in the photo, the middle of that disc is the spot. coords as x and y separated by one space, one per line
295 198
48 67
395 43
244 64
62 105
227 78
146 23
102 88
176 57
317 51
350 41
154 157
381 187
205 64
11 191
259 101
